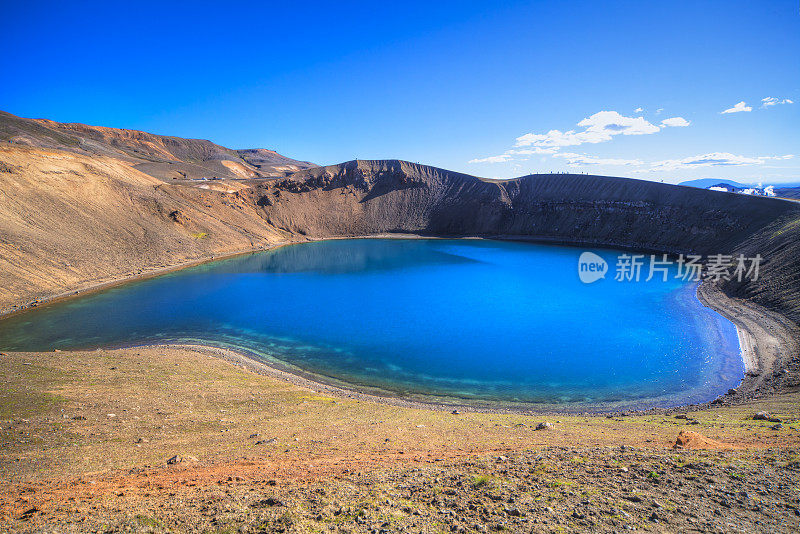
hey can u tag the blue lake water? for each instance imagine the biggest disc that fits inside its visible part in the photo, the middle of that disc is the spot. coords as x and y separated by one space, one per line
467 319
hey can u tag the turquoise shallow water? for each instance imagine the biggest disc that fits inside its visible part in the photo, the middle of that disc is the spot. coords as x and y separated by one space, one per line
471 319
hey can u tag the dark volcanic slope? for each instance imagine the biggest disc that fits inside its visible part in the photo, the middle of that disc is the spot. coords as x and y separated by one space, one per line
160 156
778 286
364 197
272 163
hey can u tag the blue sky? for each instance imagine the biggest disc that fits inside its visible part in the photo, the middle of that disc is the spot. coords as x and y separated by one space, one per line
492 89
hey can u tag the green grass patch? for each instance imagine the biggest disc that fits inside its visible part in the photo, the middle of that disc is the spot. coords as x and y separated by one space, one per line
481 481
147 521
26 391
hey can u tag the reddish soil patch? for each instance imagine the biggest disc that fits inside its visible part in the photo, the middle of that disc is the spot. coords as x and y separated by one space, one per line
692 440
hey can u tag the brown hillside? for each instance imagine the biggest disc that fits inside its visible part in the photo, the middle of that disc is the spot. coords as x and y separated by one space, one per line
68 220
164 157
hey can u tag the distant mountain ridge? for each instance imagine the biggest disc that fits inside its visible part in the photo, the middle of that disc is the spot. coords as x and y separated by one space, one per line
704 183
789 190
161 156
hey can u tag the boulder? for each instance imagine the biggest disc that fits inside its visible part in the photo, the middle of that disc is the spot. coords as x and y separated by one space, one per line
766 416
692 440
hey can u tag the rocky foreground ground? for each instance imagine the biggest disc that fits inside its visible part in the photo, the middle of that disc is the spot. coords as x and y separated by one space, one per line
545 490
170 440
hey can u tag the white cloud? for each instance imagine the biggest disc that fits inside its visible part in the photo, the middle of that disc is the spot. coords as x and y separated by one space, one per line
508 155
659 110
638 110
534 150
713 159
738 108
613 123
675 122
772 101
582 159
598 128
555 138
787 156
492 159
